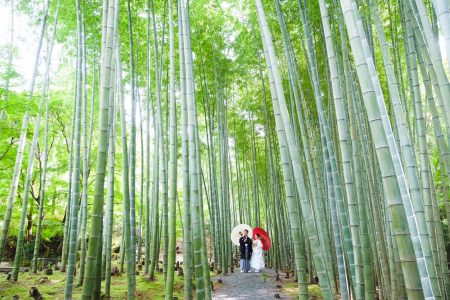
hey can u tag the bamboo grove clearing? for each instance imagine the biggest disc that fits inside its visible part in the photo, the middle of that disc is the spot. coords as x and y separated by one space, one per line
160 125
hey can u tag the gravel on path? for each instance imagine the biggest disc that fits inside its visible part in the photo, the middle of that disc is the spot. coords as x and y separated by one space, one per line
260 286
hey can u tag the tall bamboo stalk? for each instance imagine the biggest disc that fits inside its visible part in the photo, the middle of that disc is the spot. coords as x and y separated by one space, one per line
132 162
72 256
290 155
37 241
187 232
172 164
95 237
23 132
386 158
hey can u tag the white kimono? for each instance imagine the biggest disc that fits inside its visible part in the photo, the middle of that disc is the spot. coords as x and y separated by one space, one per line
257 261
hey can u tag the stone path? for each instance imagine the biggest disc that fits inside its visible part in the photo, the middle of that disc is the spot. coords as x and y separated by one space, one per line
238 285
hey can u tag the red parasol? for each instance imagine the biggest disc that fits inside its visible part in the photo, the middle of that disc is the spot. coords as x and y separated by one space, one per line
264 236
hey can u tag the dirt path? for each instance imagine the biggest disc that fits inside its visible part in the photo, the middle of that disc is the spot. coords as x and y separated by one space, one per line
238 285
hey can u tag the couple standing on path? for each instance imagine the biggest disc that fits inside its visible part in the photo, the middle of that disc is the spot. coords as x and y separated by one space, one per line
251 253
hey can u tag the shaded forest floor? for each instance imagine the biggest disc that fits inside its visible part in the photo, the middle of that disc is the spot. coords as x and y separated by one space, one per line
53 288
233 286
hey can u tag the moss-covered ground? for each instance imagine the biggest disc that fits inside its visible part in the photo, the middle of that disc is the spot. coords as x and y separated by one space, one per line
290 289
53 288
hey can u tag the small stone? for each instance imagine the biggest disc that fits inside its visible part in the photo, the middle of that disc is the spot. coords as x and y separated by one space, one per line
35 294
220 281
277 296
115 271
43 280
48 271
15 297
57 267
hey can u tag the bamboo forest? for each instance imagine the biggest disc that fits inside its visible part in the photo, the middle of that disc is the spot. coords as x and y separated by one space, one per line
235 149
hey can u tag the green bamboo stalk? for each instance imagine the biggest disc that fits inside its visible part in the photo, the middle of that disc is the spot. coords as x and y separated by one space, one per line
95 237
27 184
110 198
355 264
132 158
155 204
418 202
420 17
289 151
442 10
22 139
387 159
202 279
148 227
212 171
293 76
126 188
443 158
37 241
132 162
72 249
172 164
346 162
86 156
161 134
157 161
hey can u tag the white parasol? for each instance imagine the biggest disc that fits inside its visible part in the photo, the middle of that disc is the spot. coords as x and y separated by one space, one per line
238 232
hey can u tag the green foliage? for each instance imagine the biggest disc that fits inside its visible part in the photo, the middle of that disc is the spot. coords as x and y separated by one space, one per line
51 229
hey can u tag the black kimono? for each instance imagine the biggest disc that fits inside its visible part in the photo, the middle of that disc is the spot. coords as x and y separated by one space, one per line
246 242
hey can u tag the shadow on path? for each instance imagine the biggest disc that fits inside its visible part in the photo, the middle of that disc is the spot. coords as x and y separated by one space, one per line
248 286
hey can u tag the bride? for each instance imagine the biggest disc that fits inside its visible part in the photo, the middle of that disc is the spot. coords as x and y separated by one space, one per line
257 261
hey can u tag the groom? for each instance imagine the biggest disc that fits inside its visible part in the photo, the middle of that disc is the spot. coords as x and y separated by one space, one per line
245 247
